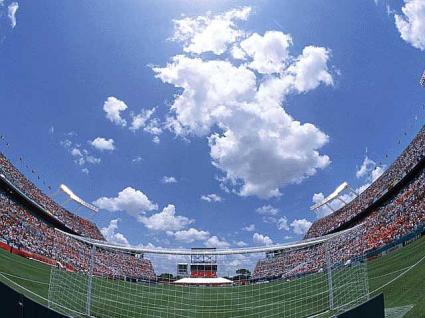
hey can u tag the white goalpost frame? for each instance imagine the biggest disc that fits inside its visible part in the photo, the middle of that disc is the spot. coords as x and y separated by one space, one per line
90 280
226 251
335 285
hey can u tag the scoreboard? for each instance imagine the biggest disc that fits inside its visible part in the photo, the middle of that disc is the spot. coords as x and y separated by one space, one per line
203 264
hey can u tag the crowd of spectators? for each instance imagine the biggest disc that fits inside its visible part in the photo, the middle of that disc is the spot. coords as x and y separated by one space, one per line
22 229
413 154
400 215
77 224
397 217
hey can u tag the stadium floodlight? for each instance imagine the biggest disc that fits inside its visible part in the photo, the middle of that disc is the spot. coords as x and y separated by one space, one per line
335 195
72 196
309 278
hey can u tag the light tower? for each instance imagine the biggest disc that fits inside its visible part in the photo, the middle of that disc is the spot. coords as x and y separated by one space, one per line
336 195
423 79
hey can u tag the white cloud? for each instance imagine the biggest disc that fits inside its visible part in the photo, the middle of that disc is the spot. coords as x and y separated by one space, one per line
190 235
214 241
318 197
389 10
66 143
156 140
92 159
101 144
139 120
130 200
111 235
85 171
269 53
209 33
207 84
166 220
300 226
81 156
269 216
11 13
282 224
411 24
166 179
310 69
257 146
269 219
249 228
75 152
267 210
261 239
370 170
241 244
150 125
212 197
137 159
237 53
113 108
153 127
366 167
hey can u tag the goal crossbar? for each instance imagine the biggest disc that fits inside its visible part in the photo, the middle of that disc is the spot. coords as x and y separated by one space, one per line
226 251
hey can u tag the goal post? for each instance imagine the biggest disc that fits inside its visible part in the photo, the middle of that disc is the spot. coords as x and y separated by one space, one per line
310 278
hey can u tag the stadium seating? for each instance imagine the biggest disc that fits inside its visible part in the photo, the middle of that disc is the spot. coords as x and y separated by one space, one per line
396 217
72 221
413 154
390 216
21 229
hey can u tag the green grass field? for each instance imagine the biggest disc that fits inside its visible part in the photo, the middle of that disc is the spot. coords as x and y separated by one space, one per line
403 271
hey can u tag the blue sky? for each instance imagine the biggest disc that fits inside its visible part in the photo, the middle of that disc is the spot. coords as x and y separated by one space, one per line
208 117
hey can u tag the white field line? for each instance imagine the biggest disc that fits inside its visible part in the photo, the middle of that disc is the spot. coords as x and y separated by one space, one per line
398 276
24 278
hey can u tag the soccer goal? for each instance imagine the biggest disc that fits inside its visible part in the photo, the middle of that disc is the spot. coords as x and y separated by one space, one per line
311 278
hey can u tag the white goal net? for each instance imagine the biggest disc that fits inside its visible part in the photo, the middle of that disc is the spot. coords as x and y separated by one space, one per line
314 278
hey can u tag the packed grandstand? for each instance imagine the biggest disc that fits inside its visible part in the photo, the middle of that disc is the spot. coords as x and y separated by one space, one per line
390 208
28 220
72 221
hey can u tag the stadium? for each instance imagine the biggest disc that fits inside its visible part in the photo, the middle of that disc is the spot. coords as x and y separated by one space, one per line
230 131
372 245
